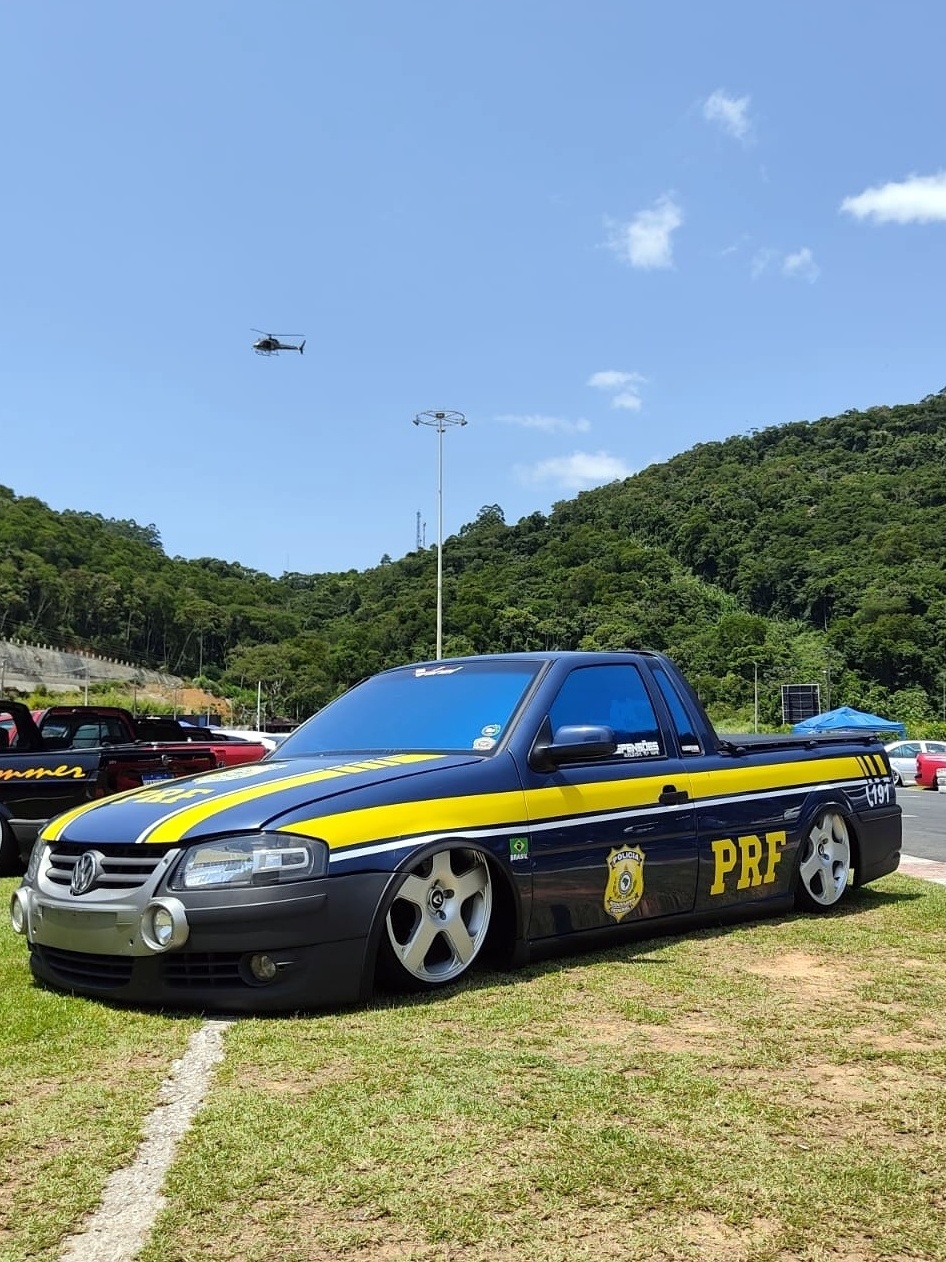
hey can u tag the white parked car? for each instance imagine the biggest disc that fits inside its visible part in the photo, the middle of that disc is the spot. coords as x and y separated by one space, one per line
269 739
902 755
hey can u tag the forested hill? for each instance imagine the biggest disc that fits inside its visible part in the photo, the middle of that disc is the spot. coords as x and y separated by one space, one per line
808 552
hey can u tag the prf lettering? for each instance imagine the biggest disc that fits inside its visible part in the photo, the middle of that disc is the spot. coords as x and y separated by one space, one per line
754 858
170 795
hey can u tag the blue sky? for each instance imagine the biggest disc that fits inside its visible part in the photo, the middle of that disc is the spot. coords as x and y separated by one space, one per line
603 232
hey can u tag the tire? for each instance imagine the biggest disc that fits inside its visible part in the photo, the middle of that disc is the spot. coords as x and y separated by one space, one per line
825 867
10 862
438 920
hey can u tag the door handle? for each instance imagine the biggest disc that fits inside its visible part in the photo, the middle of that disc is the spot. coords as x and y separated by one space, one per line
672 796
639 828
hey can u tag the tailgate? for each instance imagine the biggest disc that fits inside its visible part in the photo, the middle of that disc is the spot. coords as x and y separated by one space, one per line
133 769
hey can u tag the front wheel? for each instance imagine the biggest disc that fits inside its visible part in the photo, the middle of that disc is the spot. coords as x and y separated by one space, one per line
825 867
438 920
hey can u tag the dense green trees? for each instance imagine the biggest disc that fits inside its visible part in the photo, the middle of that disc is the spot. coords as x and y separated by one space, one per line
809 552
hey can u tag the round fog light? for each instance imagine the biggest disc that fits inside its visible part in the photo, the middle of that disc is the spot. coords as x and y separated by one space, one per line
164 925
262 967
18 911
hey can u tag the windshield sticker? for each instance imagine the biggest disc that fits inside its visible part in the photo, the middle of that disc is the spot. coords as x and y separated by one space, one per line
491 729
639 749
483 742
423 671
625 887
518 848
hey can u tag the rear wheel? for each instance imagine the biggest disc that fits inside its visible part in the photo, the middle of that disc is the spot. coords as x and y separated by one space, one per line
825 867
438 920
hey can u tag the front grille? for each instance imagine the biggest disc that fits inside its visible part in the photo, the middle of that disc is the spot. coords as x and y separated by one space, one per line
122 868
202 969
78 968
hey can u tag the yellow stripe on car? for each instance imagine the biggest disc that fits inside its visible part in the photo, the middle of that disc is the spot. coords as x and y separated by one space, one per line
173 827
569 802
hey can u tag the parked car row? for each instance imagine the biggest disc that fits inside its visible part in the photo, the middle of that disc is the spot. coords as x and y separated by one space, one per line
903 757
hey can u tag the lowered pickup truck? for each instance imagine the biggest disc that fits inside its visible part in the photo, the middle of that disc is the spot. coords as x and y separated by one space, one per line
42 774
439 814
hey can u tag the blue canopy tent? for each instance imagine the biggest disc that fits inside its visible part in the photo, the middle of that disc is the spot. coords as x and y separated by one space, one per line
846 719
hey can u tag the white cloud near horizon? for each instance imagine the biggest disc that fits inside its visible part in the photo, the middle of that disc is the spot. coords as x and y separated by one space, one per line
547 424
801 265
645 241
730 112
919 199
578 472
623 386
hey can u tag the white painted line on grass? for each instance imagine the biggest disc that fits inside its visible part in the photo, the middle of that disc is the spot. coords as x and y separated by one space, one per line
131 1199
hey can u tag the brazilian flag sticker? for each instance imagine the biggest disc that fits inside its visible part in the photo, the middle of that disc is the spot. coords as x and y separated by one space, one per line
518 847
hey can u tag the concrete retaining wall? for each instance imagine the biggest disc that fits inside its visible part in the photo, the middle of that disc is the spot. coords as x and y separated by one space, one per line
24 667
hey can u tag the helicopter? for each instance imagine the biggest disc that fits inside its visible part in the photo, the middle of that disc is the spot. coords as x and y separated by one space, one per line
271 343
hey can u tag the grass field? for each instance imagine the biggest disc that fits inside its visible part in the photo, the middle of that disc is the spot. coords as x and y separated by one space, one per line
765 1093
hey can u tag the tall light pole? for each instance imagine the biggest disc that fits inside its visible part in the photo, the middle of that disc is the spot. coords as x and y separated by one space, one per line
440 421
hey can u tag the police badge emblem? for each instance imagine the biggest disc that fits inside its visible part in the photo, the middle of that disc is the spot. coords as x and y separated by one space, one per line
625 887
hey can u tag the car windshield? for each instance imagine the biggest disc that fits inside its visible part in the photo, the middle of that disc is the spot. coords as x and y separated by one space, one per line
446 707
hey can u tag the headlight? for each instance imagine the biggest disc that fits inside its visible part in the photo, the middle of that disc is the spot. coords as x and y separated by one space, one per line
245 862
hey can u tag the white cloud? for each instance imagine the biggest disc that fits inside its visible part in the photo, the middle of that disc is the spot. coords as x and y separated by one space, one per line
645 241
623 386
730 112
627 399
548 424
577 472
760 262
920 199
798 266
802 265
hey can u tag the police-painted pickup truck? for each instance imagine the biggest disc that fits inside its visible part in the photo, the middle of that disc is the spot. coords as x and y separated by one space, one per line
442 813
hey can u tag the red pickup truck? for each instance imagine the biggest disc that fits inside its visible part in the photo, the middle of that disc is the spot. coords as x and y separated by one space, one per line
81 727
927 766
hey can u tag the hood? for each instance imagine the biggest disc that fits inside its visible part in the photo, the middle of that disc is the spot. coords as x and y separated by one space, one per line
241 799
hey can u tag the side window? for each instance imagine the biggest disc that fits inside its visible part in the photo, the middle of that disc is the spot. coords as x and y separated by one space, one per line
614 696
682 721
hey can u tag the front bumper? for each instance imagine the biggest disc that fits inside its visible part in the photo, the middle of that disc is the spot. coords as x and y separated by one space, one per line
315 933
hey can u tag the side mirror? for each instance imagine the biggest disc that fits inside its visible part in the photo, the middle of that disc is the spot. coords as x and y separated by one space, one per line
574 743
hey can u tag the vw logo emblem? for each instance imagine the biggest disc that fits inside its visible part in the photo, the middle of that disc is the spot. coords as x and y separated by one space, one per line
86 872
